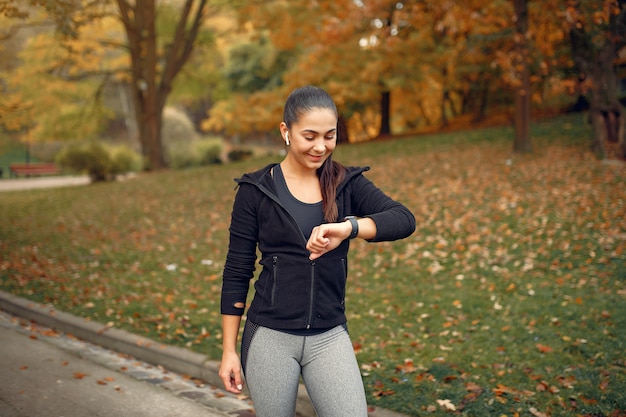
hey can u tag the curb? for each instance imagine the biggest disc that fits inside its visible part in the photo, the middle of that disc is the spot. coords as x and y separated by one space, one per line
173 358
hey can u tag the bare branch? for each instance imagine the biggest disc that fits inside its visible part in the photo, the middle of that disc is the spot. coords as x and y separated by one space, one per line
16 27
183 41
114 44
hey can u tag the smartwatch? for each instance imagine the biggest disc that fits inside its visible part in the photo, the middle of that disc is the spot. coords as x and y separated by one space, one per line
355 226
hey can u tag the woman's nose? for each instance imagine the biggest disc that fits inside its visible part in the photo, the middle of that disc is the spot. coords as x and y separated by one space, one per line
320 145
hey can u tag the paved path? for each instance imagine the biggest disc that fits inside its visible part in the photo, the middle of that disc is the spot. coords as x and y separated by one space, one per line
42 182
45 372
117 355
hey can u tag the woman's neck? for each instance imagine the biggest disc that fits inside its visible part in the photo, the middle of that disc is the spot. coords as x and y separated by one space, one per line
303 184
294 170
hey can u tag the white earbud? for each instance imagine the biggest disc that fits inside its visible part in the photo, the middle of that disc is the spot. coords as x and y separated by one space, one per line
287 138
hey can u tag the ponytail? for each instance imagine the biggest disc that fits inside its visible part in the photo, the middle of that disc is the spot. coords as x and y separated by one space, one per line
331 174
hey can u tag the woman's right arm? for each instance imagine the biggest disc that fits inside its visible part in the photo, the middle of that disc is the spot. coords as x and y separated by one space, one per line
230 367
238 270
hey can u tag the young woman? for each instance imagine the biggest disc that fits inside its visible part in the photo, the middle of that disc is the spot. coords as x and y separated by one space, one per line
301 215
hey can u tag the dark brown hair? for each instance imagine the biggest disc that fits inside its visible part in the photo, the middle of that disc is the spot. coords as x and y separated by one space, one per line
331 173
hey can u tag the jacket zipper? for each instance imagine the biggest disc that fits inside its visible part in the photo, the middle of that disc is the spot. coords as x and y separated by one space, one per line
345 282
311 297
275 280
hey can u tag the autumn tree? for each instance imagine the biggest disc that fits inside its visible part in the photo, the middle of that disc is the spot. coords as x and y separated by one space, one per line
153 69
282 45
15 28
522 141
389 63
55 99
153 62
597 31
350 48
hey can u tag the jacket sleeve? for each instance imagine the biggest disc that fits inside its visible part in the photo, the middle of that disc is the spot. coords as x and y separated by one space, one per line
241 257
393 220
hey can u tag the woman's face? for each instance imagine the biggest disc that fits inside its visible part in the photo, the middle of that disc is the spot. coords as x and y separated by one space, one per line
312 138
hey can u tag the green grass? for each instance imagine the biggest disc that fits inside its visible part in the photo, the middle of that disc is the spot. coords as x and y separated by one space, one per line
508 300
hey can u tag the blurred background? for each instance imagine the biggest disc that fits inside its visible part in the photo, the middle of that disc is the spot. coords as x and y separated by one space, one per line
153 84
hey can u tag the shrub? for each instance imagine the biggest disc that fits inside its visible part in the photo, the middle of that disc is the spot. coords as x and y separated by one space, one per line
239 154
124 160
100 162
180 156
209 151
177 135
45 151
194 154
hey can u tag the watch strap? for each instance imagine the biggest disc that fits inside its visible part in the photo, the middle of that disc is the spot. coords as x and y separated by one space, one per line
355 226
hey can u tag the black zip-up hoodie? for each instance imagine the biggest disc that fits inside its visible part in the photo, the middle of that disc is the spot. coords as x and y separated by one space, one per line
293 292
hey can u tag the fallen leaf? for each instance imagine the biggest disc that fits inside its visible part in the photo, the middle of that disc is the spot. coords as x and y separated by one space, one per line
447 404
473 387
537 413
407 367
544 348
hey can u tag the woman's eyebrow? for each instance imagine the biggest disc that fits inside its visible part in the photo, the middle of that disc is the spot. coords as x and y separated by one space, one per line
315 132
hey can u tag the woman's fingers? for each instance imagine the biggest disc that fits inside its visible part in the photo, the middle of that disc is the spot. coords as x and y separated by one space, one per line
317 241
325 238
233 384
230 374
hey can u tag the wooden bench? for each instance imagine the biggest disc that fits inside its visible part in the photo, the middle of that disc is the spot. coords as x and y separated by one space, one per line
33 169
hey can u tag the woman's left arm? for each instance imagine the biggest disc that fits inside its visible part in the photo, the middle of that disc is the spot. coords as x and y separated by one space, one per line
392 219
380 218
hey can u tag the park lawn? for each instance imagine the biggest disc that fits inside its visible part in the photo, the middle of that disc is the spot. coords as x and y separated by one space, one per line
509 299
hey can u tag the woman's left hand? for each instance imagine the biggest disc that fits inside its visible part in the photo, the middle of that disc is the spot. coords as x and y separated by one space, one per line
327 237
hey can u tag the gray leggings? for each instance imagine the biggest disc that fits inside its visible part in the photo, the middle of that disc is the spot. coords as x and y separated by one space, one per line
273 362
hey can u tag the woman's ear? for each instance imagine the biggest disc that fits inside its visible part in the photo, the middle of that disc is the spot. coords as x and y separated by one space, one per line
284 131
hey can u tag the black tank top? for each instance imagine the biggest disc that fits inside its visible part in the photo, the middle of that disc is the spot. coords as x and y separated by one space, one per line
307 215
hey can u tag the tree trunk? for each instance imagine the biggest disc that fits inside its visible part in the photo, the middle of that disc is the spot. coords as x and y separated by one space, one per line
343 136
445 94
444 115
150 116
607 113
480 111
595 61
139 21
522 141
385 114
151 87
